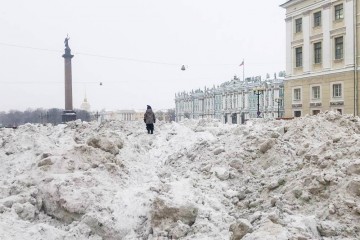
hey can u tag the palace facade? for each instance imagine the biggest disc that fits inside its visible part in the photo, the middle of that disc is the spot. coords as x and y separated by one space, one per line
322 42
233 102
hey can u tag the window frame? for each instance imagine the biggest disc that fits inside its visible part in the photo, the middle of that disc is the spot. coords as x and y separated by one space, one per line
315 112
298 57
339 48
317 53
317 19
297 111
336 93
297 96
313 97
339 12
298 25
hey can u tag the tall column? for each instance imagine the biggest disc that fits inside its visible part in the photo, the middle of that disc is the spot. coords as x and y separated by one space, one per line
68 114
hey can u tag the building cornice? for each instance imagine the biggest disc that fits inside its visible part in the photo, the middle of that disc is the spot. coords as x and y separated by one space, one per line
297 42
306 13
297 11
338 31
309 75
326 5
288 19
316 37
290 3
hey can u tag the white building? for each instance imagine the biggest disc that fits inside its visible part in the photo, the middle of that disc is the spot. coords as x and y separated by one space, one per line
132 115
234 101
121 115
85 105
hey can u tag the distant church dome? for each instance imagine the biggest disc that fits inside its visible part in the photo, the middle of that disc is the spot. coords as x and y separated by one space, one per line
85 105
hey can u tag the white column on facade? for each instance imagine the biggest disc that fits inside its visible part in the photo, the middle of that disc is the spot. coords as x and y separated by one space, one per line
243 100
306 46
234 100
246 101
326 44
223 99
289 34
349 36
264 95
239 100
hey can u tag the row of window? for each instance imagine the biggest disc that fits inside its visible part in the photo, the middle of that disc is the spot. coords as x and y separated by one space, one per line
338 15
315 92
339 52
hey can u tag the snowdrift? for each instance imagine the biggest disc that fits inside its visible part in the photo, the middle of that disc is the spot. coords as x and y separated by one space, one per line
297 179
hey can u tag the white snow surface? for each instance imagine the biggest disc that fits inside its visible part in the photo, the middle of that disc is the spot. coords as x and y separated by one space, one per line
268 179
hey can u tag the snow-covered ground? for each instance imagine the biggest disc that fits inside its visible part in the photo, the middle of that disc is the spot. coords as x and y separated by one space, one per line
268 179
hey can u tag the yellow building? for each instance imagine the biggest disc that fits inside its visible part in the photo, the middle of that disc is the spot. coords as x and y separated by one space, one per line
322 45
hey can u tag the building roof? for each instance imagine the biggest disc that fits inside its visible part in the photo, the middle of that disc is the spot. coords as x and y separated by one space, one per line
289 3
126 111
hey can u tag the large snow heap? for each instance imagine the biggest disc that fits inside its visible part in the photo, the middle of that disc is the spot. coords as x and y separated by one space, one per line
268 179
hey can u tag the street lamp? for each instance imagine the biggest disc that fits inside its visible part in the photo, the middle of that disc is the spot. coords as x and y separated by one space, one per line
97 115
278 101
258 91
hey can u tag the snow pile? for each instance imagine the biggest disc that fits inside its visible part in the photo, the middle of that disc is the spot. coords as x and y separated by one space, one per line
268 179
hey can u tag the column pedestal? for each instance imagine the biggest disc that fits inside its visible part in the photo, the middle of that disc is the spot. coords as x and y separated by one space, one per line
68 116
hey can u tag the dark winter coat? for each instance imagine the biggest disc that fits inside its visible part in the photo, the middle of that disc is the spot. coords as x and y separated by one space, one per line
149 117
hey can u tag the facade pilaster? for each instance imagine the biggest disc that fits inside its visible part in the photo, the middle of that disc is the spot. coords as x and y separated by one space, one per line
306 46
327 20
349 36
289 34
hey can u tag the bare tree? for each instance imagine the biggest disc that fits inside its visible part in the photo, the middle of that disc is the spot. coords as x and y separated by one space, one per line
15 118
171 115
159 115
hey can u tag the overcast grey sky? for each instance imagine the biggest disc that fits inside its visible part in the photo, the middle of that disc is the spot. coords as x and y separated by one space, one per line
210 37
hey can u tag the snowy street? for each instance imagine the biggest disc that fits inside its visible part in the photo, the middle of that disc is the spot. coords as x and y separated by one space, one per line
267 179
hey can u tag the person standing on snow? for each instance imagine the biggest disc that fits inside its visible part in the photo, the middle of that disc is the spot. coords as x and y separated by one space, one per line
149 119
